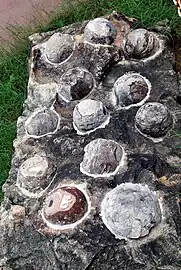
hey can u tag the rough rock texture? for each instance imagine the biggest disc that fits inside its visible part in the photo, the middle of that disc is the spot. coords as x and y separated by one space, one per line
28 241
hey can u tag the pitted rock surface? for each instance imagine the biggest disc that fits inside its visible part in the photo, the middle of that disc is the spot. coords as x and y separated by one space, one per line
127 213
75 84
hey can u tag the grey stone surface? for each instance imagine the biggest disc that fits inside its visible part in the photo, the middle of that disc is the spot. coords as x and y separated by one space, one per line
59 47
103 158
100 31
75 84
130 211
89 115
154 119
130 90
41 123
140 43
28 240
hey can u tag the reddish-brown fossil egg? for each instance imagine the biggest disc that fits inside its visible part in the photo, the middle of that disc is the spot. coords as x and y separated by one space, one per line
64 206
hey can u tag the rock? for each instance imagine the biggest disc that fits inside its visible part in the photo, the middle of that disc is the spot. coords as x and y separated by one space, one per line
139 43
129 211
154 119
100 31
41 123
106 196
18 212
103 158
75 84
131 90
59 47
89 115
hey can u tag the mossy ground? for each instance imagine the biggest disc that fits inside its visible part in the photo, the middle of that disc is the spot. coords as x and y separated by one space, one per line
13 65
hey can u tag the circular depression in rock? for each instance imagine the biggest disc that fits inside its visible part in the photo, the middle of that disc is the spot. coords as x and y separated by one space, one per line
75 84
103 158
59 47
130 90
154 120
42 123
100 31
140 43
34 176
89 115
129 211
64 207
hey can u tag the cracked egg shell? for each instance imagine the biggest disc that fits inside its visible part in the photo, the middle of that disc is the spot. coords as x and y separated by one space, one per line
154 120
140 43
42 123
130 90
100 31
35 175
75 84
63 207
103 158
89 115
59 47
130 211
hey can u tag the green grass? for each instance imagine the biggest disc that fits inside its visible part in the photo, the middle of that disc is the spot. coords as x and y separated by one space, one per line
13 66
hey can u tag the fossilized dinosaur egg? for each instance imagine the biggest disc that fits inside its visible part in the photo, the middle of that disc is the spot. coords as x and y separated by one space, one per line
130 90
139 43
100 31
65 206
75 84
42 123
35 175
103 158
59 47
130 211
154 120
89 115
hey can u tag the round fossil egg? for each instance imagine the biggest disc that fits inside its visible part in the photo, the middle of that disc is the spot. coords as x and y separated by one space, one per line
153 120
75 84
35 175
64 207
103 158
100 31
42 123
130 90
89 115
139 43
59 47
130 211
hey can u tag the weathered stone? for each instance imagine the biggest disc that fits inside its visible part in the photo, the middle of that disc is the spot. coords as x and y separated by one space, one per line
130 211
75 84
131 90
140 43
154 120
100 31
34 240
42 123
103 158
18 212
89 115
59 47
34 176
